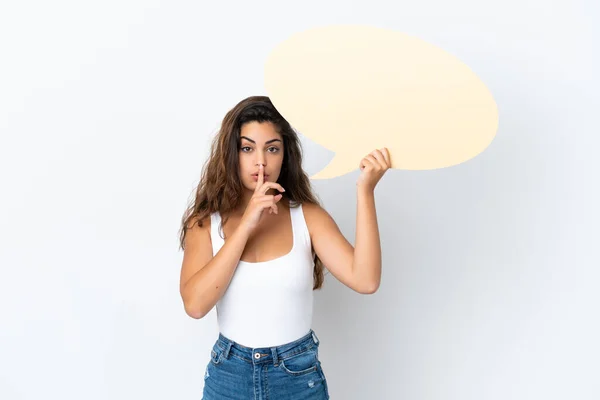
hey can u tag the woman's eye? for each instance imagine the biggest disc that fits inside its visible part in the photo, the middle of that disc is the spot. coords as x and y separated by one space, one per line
271 149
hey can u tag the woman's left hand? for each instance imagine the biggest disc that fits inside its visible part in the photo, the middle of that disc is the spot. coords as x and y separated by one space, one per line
373 166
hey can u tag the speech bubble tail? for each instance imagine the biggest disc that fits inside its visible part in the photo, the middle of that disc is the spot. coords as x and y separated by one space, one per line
339 165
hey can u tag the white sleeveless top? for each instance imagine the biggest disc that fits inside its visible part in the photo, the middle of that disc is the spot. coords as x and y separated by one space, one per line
268 303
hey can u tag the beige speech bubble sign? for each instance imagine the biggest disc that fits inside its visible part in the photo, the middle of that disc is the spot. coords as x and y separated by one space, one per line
355 88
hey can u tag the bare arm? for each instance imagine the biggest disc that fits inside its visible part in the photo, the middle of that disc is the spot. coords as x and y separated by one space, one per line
366 263
358 268
205 278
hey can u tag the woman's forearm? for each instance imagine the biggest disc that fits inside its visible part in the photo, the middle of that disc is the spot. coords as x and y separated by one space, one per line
367 249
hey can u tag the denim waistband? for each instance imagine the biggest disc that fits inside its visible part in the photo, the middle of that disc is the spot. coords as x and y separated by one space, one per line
267 354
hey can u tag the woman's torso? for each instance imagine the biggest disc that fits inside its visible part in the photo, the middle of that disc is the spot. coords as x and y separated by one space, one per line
270 297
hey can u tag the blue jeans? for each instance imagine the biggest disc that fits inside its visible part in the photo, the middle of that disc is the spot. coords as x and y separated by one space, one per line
291 371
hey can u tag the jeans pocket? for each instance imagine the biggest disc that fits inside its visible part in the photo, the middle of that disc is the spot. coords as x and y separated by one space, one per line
300 364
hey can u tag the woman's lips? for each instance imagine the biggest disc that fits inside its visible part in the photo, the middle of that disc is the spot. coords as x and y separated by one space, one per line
255 177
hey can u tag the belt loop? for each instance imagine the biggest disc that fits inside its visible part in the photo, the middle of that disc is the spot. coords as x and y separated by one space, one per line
227 349
275 356
315 338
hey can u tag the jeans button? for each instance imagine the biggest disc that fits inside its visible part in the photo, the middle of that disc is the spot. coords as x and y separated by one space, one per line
257 355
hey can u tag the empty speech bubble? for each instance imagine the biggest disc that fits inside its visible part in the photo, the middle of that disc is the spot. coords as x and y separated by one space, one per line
356 88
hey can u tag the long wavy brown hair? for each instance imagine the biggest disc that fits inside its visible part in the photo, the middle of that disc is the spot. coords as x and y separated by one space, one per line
220 187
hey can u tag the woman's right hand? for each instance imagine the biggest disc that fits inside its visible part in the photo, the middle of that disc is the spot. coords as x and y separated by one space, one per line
260 201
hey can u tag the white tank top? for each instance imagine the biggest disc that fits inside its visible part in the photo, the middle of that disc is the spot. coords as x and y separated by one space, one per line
268 303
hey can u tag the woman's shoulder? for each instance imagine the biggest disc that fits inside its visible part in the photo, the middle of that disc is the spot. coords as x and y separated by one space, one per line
199 223
314 212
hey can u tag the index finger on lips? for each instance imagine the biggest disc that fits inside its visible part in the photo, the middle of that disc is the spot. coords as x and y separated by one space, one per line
260 179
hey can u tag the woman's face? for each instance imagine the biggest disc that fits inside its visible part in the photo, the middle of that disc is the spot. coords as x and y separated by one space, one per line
259 144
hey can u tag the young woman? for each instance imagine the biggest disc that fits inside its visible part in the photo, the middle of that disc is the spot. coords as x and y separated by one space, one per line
255 241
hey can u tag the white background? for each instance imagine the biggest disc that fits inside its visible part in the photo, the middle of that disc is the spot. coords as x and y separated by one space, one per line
490 275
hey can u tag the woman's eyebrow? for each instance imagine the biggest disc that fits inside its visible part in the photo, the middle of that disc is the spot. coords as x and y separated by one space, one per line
267 142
